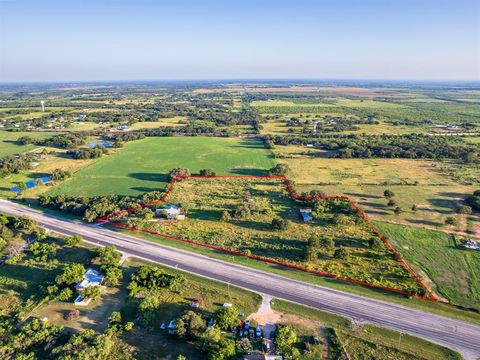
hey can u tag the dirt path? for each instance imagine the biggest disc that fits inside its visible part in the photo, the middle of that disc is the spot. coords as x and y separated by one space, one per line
267 317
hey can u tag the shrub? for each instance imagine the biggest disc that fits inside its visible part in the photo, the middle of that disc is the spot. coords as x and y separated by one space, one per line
451 221
60 174
74 314
207 172
388 194
341 253
225 216
391 203
226 317
464 209
73 240
279 170
279 224
178 172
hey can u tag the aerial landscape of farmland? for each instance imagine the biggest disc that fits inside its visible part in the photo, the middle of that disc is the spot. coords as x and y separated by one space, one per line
241 180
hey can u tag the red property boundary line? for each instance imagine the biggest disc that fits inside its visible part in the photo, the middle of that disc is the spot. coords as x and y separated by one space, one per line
430 296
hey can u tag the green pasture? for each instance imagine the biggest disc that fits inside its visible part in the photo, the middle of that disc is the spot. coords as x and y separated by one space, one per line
439 113
143 165
9 145
455 272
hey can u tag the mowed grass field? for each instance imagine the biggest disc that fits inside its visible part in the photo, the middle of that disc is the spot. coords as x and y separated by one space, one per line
9 145
142 166
455 272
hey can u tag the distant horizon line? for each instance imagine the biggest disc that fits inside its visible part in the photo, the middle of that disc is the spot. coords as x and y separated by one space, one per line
241 80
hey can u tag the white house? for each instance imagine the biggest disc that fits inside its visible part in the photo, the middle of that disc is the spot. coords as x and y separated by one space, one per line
171 212
90 278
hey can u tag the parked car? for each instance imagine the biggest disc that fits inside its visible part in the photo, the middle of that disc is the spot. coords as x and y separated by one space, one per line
258 331
210 323
246 325
315 340
306 346
227 305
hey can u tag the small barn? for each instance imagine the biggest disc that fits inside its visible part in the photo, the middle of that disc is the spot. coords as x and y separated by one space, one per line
306 215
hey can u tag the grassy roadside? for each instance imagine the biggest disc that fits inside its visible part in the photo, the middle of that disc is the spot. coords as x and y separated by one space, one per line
428 306
360 340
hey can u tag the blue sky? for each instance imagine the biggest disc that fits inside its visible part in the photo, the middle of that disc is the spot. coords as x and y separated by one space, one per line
186 39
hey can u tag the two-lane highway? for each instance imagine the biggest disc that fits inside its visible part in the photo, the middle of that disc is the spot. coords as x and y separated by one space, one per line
461 336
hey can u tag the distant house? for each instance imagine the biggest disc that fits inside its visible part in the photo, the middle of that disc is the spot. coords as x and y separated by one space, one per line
171 212
124 127
451 127
306 215
90 278
472 244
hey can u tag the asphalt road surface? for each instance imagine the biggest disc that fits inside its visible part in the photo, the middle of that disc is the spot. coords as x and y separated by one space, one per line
455 334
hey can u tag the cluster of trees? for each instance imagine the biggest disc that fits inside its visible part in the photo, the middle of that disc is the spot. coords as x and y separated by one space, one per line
184 172
60 174
11 227
33 339
12 164
92 208
6 232
63 141
151 278
191 326
285 339
474 200
242 211
149 281
26 228
317 246
328 124
108 258
178 172
89 153
411 146
344 211
118 139
279 170
389 194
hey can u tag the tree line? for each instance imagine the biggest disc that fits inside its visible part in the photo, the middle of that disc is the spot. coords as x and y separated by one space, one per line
411 146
